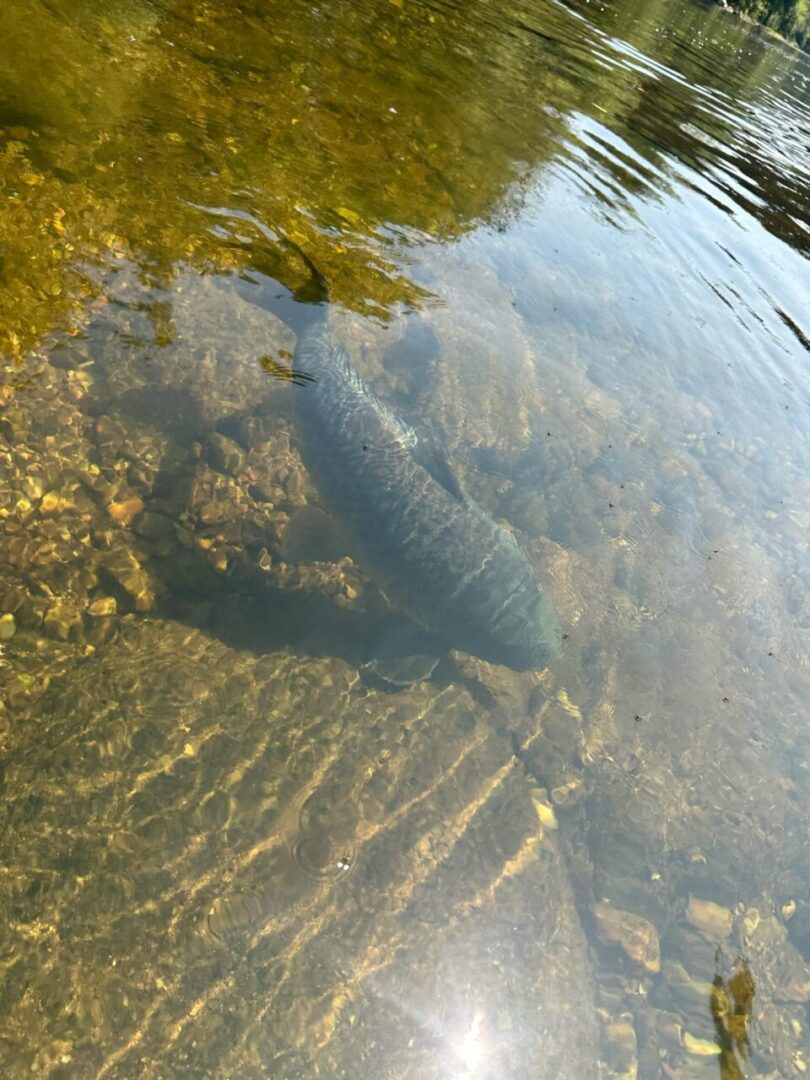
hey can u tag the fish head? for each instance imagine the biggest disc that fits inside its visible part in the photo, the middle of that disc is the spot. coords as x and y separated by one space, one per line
526 635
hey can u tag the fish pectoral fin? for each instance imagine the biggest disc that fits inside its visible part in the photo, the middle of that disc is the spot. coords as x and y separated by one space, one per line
313 535
396 672
403 655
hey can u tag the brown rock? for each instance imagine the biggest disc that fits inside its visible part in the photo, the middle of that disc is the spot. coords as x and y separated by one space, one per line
712 920
104 605
636 935
125 511
125 572
64 622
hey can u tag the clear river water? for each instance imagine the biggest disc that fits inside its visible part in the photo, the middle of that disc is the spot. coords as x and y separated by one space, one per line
567 243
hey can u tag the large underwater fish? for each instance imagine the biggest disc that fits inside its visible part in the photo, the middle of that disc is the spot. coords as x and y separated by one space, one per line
438 557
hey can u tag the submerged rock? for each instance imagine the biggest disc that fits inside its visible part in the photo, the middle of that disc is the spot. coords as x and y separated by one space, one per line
620 1035
225 454
712 920
103 606
64 621
636 935
135 584
700 1047
126 510
153 526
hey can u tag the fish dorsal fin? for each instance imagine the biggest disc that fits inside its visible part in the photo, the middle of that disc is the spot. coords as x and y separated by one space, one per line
425 450
427 453
339 359
402 432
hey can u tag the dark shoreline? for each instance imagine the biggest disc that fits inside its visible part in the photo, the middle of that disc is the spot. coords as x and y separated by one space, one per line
799 40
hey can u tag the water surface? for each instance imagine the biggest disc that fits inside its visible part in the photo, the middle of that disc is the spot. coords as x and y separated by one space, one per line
569 244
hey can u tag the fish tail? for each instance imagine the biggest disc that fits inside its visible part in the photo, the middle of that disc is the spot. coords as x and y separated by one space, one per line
315 350
316 291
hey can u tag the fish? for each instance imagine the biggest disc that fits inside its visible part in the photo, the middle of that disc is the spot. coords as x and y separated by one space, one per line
459 577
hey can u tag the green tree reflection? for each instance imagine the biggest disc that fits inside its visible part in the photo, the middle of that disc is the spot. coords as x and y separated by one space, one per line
195 133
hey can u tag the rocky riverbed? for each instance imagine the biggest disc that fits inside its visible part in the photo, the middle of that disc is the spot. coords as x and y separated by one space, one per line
223 854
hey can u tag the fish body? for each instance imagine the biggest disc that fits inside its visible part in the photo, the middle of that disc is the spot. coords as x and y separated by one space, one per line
433 551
